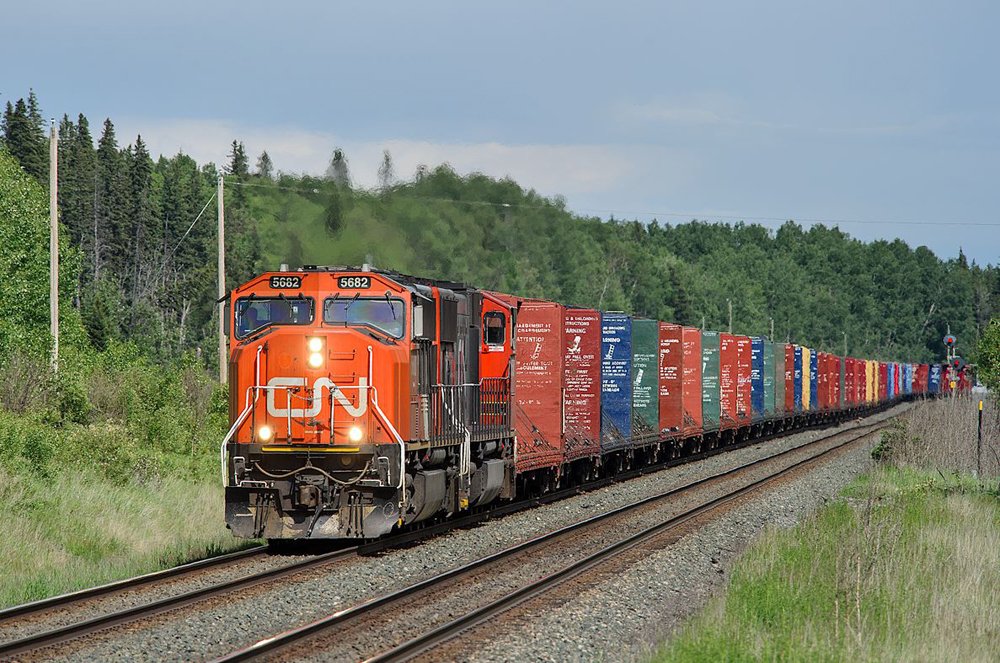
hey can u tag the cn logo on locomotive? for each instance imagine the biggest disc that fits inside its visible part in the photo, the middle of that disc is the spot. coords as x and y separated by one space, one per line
317 399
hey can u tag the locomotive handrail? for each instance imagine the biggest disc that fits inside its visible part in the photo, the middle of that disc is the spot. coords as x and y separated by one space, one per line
239 420
257 388
473 408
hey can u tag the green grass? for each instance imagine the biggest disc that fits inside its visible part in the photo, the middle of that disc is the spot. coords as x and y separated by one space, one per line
906 567
75 530
108 472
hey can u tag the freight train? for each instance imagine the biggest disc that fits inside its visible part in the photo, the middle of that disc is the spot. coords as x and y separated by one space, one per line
366 401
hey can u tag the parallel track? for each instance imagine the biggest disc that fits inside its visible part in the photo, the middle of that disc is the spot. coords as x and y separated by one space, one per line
145 611
73 631
174 573
339 622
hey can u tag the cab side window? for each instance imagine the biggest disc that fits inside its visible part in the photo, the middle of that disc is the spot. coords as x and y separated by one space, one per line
494 328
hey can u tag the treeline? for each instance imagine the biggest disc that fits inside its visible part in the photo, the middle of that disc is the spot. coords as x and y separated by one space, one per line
148 275
815 284
145 272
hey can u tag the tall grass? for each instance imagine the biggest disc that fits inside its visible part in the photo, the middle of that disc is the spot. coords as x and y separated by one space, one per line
904 567
107 471
943 435
74 530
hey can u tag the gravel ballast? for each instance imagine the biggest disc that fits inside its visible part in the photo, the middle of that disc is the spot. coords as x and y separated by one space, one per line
631 610
218 626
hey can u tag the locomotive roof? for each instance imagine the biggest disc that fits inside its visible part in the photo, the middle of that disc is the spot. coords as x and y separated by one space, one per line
392 274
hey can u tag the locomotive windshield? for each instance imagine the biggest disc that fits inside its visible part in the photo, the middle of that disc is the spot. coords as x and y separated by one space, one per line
255 314
382 313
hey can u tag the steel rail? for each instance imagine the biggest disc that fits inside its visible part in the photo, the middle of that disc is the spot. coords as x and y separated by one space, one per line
494 511
436 636
101 622
80 629
340 617
43 605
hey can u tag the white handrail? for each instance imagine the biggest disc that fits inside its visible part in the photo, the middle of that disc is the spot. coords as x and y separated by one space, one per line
257 388
395 434
239 420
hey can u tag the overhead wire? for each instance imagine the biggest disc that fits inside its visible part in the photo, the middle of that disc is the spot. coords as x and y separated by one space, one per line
184 236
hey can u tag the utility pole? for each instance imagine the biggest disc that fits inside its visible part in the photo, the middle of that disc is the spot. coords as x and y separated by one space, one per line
845 344
772 330
54 242
223 359
729 303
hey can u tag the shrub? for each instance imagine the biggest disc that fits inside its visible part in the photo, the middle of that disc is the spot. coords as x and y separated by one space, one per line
894 437
26 443
111 449
25 382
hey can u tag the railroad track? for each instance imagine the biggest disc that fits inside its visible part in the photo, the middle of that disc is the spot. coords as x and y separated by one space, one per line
66 633
79 629
42 606
396 607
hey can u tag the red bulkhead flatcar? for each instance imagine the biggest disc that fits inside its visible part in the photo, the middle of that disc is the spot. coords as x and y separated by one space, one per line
691 385
728 376
744 396
671 374
539 385
582 380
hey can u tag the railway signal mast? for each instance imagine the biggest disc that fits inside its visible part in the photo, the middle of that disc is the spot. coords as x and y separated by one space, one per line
954 361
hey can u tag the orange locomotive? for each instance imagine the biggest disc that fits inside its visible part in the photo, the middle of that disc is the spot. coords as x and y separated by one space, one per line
363 400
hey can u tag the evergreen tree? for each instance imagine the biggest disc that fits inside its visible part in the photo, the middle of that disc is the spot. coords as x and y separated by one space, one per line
338 171
25 138
67 133
239 166
5 122
264 166
680 300
386 176
140 170
35 113
111 230
101 317
78 184
333 214
296 253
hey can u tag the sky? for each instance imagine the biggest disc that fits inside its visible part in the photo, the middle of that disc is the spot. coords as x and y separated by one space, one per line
884 117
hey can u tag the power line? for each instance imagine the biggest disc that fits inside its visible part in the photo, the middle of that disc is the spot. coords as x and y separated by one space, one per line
183 237
685 215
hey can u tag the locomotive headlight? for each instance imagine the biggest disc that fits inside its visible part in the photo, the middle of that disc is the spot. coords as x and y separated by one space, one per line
264 433
315 360
315 344
355 434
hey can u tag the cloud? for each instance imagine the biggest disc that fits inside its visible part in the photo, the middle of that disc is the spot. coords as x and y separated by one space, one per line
721 112
551 169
